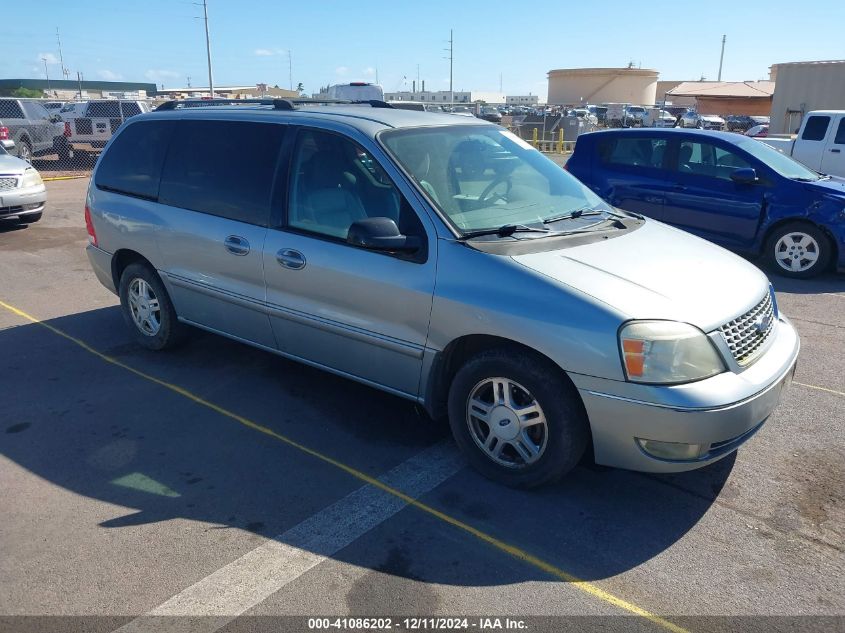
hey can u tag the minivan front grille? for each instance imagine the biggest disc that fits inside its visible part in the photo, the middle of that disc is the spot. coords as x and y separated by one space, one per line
8 182
746 334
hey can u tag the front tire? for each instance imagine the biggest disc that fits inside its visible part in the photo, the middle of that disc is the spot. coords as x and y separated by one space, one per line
798 250
147 308
517 418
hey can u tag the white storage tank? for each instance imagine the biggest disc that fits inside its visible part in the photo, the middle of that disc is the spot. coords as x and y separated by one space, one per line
574 86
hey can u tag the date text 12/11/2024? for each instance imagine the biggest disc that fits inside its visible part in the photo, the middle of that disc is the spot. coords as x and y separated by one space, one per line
415 624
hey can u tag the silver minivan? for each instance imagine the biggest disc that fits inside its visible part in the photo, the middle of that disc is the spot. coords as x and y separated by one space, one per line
446 261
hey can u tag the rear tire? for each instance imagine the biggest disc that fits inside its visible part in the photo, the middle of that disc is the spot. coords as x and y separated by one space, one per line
798 250
25 150
147 308
492 428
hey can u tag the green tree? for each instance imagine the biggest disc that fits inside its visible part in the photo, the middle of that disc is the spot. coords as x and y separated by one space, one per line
22 93
300 88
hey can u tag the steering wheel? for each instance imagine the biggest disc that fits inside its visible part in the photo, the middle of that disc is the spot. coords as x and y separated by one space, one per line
487 196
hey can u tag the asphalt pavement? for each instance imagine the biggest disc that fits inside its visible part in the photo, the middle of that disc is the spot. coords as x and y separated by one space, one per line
217 480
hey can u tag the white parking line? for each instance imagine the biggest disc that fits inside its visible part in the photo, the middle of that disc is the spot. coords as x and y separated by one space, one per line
235 588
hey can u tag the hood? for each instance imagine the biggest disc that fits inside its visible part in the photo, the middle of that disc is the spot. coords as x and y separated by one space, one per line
12 164
658 272
834 185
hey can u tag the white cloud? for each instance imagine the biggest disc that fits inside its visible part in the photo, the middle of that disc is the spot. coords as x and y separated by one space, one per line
264 52
159 76
51 59
341 70
109 75
369 71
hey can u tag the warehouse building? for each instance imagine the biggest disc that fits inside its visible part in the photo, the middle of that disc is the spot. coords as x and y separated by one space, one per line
802 87
444 96
575 86
753 98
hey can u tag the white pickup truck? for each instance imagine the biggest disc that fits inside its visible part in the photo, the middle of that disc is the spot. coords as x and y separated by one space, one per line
820 143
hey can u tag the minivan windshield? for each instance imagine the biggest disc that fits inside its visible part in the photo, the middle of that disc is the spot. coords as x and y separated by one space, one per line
484 177
781 163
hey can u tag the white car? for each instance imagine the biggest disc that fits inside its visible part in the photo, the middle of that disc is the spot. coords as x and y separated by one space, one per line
22 192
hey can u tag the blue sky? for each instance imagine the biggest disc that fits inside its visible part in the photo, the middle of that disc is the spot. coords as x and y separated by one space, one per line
162 41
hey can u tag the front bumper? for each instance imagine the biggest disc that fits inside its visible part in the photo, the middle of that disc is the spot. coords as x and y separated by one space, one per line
719 413
18 202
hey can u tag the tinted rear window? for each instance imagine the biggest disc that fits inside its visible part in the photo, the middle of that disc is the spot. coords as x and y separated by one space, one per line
10 110
132 163
633 151
816 128
225 168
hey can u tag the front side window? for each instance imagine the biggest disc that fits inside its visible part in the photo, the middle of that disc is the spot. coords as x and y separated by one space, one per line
223 168
132 163
335 182
816 128
483 177
129 109
706 159
779 162
104 109
633 151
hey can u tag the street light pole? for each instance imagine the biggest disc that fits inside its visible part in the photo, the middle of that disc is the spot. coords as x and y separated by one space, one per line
46 73
208 49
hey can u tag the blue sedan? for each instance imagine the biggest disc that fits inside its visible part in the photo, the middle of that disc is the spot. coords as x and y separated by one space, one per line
729 189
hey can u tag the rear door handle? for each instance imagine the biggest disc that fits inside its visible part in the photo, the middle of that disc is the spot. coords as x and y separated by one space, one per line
236 245
290 258
835 151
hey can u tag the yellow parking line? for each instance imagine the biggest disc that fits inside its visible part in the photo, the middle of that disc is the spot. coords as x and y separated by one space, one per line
803 384
65 177
512 550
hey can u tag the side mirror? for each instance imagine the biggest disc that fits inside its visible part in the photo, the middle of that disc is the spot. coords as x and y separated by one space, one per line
381 234
55 118
744 176
8 145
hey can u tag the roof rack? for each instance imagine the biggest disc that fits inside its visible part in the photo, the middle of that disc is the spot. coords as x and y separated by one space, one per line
278 104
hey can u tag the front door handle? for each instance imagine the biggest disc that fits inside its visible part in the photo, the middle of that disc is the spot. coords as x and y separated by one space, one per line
290 258
835 151
236 245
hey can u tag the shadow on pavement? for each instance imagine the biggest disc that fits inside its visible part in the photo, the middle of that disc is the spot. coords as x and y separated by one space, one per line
99 431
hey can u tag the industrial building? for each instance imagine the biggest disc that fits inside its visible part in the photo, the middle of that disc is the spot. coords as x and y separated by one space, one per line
69 89
444 96
723 97
254 91
575 86
801 87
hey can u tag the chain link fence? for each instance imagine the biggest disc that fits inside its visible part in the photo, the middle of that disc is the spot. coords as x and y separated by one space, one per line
63 139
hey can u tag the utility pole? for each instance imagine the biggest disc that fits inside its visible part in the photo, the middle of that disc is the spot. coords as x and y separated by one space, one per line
290 68
79 82
46 73
65 71
208 49
721 58
451 50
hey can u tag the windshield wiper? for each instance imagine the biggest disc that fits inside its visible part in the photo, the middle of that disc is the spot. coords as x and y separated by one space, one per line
572 215
506 230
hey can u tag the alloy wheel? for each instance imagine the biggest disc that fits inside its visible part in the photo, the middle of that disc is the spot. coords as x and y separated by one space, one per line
144 306
506 422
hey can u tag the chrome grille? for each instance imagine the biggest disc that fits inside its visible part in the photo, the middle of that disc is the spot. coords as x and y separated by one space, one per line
8 182
746 334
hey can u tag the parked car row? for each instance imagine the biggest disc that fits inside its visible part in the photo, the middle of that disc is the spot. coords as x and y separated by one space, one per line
41 128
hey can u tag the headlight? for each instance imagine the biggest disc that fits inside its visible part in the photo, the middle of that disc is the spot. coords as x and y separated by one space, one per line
31 178
667 352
